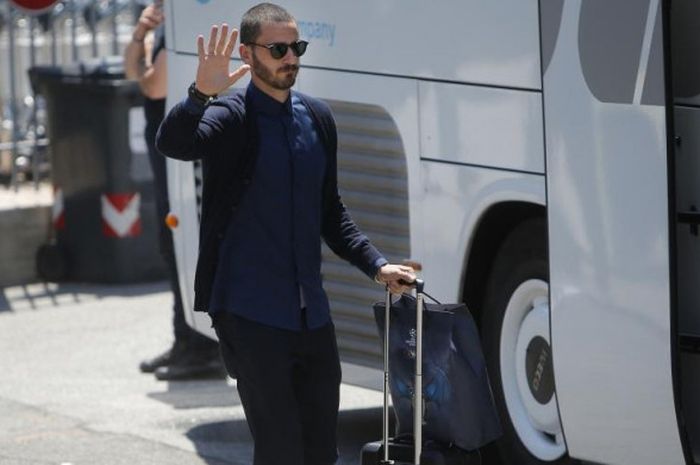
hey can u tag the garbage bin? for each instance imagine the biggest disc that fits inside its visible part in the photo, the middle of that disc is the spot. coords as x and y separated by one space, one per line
104 215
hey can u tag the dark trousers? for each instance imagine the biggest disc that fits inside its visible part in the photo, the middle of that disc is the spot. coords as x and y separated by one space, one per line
185 337
289 385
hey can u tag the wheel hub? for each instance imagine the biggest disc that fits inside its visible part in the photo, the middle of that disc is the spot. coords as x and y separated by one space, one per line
538 370
527 374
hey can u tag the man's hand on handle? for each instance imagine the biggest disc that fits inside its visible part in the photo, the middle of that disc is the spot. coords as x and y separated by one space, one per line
394 275
213 76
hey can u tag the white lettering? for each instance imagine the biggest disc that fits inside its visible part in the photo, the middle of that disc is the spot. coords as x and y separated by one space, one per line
537 379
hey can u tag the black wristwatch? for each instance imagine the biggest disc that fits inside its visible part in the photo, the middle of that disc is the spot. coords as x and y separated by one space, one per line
199 96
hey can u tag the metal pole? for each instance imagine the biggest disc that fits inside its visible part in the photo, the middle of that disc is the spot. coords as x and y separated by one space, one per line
32 62
54 45
93 26
115 31
32 44
13 95
74 29
385 413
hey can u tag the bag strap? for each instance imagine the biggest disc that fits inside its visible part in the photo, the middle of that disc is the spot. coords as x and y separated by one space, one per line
421 290
432 298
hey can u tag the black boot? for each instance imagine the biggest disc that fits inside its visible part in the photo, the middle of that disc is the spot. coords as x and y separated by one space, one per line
200 364
168 357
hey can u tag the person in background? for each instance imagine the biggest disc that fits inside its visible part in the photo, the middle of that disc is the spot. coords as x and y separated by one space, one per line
269 157
192 355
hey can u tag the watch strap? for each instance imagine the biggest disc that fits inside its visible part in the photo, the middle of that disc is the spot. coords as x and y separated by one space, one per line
199 96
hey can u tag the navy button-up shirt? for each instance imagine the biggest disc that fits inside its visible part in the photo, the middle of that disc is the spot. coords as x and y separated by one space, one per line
270 258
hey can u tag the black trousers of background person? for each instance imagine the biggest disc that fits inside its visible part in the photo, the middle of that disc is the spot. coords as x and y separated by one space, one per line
186 338
289 385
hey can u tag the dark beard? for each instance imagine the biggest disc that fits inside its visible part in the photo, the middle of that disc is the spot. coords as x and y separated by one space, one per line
266 75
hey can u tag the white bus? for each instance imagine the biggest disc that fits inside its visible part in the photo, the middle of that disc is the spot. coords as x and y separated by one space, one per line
541 160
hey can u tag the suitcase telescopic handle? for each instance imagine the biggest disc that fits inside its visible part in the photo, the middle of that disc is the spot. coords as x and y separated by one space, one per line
418 284
385 411
418 382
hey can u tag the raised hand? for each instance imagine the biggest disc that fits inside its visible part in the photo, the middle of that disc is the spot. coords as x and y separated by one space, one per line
150 18
213 76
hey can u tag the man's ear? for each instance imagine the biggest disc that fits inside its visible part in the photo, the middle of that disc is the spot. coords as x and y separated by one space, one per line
244 52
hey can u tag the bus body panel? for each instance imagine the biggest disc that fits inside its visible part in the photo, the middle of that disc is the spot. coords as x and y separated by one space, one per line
183 205
182 191
608 242
481 126
495 43
455 200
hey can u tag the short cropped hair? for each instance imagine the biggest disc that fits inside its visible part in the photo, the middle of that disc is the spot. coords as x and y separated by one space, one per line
260 14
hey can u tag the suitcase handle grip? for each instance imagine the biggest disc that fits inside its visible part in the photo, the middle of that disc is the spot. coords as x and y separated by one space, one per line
417 283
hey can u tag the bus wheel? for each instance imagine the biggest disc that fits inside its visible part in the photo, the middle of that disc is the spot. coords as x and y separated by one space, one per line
515 327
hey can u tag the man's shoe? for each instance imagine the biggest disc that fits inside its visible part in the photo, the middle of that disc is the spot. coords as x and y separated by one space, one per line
193 367
168 357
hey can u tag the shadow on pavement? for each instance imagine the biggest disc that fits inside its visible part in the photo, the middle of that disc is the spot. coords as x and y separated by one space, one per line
37 296
355 429
224 441
198 394
230 441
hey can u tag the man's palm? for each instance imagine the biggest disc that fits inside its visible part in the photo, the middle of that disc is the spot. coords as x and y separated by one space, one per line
213 76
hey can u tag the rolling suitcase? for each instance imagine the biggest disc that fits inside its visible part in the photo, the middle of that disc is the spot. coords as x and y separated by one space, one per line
411 449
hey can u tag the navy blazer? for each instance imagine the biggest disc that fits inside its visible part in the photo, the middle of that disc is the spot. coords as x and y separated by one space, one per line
223 135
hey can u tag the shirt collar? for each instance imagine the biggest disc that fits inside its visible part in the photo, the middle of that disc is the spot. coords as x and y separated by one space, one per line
267 105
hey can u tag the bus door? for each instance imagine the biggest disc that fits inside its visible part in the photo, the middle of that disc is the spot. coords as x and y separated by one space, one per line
610 243
685 68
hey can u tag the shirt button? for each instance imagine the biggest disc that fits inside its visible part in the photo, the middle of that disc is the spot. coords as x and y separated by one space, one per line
246 181
220 235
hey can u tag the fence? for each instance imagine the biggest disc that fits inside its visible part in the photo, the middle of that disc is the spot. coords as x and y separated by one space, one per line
72 31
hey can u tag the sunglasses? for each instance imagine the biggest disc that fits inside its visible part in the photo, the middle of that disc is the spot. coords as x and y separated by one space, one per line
279 49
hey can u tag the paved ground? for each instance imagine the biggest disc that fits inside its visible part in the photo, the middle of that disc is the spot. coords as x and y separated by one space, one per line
27 210
71 392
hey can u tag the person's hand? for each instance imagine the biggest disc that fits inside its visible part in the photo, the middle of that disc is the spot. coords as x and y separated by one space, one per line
150 18
213 76
392 274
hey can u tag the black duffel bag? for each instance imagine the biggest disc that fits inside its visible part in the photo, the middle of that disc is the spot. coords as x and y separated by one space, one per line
458 405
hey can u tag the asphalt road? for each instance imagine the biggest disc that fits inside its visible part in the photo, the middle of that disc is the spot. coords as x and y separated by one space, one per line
71 392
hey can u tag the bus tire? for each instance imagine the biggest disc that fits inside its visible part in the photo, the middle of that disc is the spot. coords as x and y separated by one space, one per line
515 324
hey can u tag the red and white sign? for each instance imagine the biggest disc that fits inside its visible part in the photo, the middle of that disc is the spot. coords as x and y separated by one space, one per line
34 6
58 213
120 215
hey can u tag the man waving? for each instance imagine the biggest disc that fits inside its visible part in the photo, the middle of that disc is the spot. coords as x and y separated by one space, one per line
270 195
